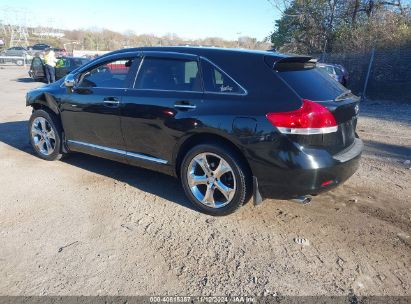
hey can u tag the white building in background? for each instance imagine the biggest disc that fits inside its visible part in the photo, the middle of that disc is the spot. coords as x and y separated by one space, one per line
48 34
85 53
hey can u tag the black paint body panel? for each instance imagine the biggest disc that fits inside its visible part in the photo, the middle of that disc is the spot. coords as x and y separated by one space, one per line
147 123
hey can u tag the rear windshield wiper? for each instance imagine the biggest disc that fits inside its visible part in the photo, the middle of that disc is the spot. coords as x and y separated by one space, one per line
342 95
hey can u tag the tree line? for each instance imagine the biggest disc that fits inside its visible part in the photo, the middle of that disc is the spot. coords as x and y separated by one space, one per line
319 26
304 26
107 40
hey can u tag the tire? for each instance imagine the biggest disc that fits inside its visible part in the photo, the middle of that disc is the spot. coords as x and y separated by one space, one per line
235 182
45 126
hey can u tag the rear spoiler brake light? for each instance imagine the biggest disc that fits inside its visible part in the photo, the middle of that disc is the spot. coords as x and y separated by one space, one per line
290 63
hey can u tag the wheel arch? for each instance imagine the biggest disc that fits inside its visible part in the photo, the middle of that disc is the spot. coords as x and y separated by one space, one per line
48 103
206 137
44 101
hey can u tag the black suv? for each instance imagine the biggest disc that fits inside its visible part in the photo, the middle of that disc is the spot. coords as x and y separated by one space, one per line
231 124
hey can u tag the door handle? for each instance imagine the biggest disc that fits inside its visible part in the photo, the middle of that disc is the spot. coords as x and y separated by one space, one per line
111 101
184 105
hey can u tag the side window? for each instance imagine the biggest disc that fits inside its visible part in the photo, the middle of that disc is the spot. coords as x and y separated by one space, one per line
329 69
37 62
114 74
169 74
338 71
215 80
61 63
66 63
76 62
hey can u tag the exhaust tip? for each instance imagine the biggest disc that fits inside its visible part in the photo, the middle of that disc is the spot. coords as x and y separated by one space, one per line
303 200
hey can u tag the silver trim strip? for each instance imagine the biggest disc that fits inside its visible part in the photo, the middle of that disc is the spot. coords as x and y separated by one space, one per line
145 157
161 90
244 93
111 88
307 131
182 106
116 102
138 71
121 152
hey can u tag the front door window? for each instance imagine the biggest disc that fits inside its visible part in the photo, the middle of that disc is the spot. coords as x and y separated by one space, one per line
114 74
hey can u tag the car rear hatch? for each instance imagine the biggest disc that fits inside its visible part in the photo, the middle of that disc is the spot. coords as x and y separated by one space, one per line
312 84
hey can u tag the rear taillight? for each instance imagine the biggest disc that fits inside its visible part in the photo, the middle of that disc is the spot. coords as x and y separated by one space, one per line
311 118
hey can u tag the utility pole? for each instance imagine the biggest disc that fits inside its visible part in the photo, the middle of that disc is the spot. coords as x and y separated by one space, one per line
238 39
14 27
368 74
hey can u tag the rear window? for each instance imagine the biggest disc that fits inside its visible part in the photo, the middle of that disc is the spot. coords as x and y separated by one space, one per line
313 84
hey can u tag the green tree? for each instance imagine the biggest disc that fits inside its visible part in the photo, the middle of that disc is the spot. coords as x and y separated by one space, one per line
316 26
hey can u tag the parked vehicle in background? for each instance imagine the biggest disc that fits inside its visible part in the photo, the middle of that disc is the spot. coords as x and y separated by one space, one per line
64 66
342 74
17 51
67 64
17 54
231 124
60 52
37 72
336 71
39 47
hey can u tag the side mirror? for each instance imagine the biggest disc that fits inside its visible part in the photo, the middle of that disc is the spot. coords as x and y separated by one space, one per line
70 81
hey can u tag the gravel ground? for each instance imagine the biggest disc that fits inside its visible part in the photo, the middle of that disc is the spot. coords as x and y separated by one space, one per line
89 226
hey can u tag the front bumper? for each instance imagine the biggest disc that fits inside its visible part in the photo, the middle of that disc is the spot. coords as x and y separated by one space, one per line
306 172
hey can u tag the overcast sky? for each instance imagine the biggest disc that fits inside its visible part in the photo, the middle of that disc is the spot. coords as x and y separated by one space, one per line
189 19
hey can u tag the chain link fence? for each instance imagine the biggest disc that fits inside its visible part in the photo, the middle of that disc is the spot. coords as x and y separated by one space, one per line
389 74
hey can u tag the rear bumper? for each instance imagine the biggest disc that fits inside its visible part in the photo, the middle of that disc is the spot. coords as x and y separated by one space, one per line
306 172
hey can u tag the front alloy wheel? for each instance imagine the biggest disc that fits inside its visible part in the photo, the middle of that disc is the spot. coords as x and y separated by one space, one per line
45 134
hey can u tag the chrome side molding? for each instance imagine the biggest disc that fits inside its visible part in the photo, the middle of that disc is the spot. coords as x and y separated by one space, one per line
185 106
119 152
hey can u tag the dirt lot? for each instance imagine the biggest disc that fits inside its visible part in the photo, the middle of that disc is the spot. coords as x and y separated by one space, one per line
88 226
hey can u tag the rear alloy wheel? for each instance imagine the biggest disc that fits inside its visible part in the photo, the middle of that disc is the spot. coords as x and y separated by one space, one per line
45 135
214 179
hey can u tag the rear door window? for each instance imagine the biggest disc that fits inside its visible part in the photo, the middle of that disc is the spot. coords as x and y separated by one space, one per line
313 83
37 62
169 74
62 63
217 81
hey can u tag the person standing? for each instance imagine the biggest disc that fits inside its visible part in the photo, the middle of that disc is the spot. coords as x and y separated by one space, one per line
50 64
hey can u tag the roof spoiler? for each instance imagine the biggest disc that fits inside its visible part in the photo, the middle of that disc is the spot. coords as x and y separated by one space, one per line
291 63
